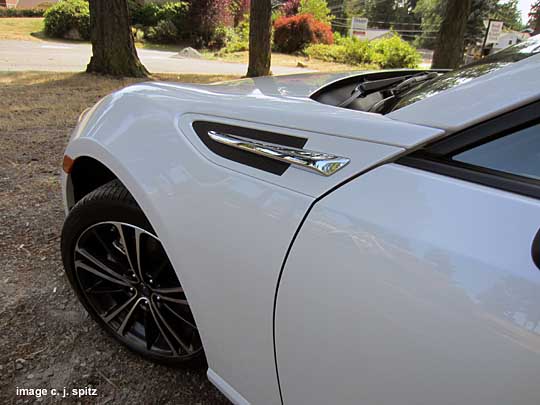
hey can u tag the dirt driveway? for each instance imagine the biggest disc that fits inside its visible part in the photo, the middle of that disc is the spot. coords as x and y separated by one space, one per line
47 340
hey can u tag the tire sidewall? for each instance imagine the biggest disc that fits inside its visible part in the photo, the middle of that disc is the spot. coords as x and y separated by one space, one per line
90 211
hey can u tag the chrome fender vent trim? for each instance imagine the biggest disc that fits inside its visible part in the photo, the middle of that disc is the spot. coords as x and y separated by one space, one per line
316 162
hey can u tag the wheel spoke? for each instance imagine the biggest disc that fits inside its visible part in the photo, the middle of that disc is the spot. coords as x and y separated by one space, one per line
102 242
151 333
128 280
160 269
94 260
95 290
110 316
173 349
122 327
80 265
170 290
138 234
176 314
169 329
175 300
127 251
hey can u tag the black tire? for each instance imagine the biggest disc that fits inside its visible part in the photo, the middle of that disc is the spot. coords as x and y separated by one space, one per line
111 205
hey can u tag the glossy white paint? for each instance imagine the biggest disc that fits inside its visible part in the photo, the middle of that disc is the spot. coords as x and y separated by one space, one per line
479 99
405 287
226 227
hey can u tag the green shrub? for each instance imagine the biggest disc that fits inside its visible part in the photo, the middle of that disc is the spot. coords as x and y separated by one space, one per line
238 40
221 36
165 32
146 14
387 53
160 19
66 15
21 12
391 53
150 14
317 8
175 12
351 51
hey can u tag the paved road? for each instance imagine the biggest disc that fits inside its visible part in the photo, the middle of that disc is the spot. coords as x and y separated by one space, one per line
67 57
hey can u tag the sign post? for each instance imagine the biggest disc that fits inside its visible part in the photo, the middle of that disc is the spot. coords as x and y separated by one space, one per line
359 27
493 32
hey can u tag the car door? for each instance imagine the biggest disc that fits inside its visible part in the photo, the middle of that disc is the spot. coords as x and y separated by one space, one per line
418 282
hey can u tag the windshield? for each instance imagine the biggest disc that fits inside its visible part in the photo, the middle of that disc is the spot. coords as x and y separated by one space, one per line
469 72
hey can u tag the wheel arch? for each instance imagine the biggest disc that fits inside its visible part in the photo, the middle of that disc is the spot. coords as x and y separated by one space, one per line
87 174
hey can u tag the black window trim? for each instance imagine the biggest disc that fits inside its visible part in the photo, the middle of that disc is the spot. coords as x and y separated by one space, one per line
436 157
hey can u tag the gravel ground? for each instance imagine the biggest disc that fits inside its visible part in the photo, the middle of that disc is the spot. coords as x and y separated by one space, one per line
47 339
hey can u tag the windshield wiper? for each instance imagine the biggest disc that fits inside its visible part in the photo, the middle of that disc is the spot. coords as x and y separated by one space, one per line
372 86
403 88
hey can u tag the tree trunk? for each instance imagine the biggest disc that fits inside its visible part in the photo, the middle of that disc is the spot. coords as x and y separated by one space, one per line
260 31
450 43
113 49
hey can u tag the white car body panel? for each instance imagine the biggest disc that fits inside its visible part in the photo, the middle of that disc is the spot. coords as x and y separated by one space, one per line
227 228
412 311
204 208
477 100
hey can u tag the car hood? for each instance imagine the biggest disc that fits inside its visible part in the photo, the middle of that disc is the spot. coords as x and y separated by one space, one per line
298 85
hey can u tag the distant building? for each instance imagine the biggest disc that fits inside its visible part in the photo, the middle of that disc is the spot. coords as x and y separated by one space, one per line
24 3
8 3
508 39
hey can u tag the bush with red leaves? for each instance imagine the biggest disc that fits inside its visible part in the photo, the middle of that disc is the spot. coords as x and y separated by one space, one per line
294 33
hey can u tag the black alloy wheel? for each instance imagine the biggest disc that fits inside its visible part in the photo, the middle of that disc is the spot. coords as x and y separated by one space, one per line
123 277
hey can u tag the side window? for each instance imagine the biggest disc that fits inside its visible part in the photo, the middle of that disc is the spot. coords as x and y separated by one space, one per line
517 154
502 153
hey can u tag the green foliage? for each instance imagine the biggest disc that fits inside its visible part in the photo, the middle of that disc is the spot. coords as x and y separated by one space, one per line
317 8
348 50
386 53
21 12
164 23
430 12
391 53
150 14
238 38
66 15
146 14
164 32
509 14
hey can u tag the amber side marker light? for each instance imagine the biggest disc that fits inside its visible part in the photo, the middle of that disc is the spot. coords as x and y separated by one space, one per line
67 164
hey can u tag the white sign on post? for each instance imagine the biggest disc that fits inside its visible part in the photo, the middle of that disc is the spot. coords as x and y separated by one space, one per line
359 27
494 31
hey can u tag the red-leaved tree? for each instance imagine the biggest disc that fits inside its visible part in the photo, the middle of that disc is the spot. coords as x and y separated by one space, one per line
290 8
206 15
534 17
292 34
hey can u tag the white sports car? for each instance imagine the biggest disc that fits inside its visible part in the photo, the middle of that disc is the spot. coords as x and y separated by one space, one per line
360 238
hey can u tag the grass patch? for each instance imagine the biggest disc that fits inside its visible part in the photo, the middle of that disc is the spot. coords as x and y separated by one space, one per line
36 100
20 28
282 59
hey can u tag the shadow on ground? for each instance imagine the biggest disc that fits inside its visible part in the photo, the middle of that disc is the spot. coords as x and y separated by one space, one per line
47 340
